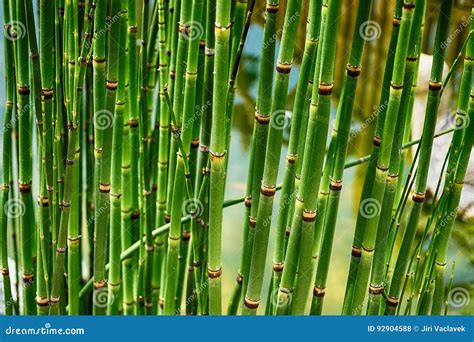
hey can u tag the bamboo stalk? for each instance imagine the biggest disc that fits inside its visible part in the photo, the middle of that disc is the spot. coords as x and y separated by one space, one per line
418 196
272 156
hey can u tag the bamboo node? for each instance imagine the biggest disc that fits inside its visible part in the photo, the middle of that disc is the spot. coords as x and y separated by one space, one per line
396 86
335 185
104 187
248 201
5 187
99 284
319 291
252 304
356 252
25 188
69 161
47 93
325 89
186 235
203 148
161 303
5 272
377 141
287 231
54 300
291 158
267 191
353 70
309 216
252 222
61 250
273 8
396 21
167 218
135 215
23 90
278 266
418 197
209 52
440 263
283 68
213 274
27 278
195 143
42 301
133 123
435 85
408 5
376 289
149 248
217 155
392 301
43 201
262 119
239 279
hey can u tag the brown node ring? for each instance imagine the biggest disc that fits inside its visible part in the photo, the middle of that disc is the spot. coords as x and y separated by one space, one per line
418 197
376 289
214 274
283 68
309 216
267 191
252 304
319 292
356 252
353 70
435 85
392 301
262 119
278 266
325 89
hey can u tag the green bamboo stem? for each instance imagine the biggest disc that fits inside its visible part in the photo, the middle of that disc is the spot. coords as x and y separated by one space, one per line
259 140
163 158
383 162
418 196
132 71
57 280
27 234
99 83
460 155
377 285
370 174
340 142
7 159
116 195
297 126
272 156
218 153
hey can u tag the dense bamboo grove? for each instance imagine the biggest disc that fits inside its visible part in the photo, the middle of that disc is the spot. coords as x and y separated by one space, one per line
117 145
